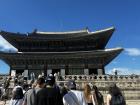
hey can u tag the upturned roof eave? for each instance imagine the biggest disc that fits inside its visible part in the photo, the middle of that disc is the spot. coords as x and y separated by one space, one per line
81 33
104 51
106 55
71 34
10 37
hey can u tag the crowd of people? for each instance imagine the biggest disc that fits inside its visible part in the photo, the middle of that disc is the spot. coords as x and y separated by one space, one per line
45 91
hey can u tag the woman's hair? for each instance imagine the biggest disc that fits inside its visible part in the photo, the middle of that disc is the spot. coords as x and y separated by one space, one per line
96 90
18 93
25 87
87 91
40 81
63 90
114 90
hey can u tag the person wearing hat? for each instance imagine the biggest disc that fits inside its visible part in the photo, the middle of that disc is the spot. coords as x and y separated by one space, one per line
73 97
49 95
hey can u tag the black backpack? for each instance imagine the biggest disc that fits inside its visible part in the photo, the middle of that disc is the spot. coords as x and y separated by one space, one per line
0 92
117 100
100 99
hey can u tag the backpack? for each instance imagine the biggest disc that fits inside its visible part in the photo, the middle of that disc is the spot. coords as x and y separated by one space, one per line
0 92
117 100
100 99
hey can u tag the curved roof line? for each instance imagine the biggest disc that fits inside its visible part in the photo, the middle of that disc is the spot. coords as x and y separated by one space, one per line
108 54
103 30
104 50
86 31
12 33
66 32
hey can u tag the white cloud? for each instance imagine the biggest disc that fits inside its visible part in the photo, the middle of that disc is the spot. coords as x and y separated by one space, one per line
124 71
132 51
5 46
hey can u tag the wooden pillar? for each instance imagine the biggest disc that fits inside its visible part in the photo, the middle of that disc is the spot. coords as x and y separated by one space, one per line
10 70
45 70
66 69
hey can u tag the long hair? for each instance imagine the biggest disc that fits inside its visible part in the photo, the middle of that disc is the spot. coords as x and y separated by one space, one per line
96 91
18 93
114 90
87 91
99 96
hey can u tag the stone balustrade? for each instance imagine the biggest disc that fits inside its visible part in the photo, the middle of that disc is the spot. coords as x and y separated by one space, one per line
129 84
123 81
102 77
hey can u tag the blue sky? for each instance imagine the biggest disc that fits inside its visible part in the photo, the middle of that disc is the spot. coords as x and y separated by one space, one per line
65 15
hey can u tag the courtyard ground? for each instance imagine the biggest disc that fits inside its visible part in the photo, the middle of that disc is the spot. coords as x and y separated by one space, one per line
129 102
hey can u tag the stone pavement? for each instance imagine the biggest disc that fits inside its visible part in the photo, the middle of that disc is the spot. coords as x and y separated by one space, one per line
129 102
133 102
3 103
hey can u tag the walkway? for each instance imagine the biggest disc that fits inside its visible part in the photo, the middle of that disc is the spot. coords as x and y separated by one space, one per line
129 102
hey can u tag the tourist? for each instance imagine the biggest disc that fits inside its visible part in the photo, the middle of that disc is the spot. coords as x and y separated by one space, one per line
115 96
55 84
32 76
18 85
17 98
25 88
30 94
98 95
15 80
7 82
49 95
1 91
63 89
73 97
89 96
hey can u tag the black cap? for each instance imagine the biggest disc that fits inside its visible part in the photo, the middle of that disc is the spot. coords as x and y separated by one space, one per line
50 79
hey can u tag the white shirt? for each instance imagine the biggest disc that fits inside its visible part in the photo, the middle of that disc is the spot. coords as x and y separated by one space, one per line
2 90
16 102
74 97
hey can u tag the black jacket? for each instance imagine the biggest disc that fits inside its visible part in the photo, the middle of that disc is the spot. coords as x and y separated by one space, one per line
48 96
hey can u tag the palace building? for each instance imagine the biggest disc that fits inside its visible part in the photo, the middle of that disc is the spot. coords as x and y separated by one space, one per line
69 53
